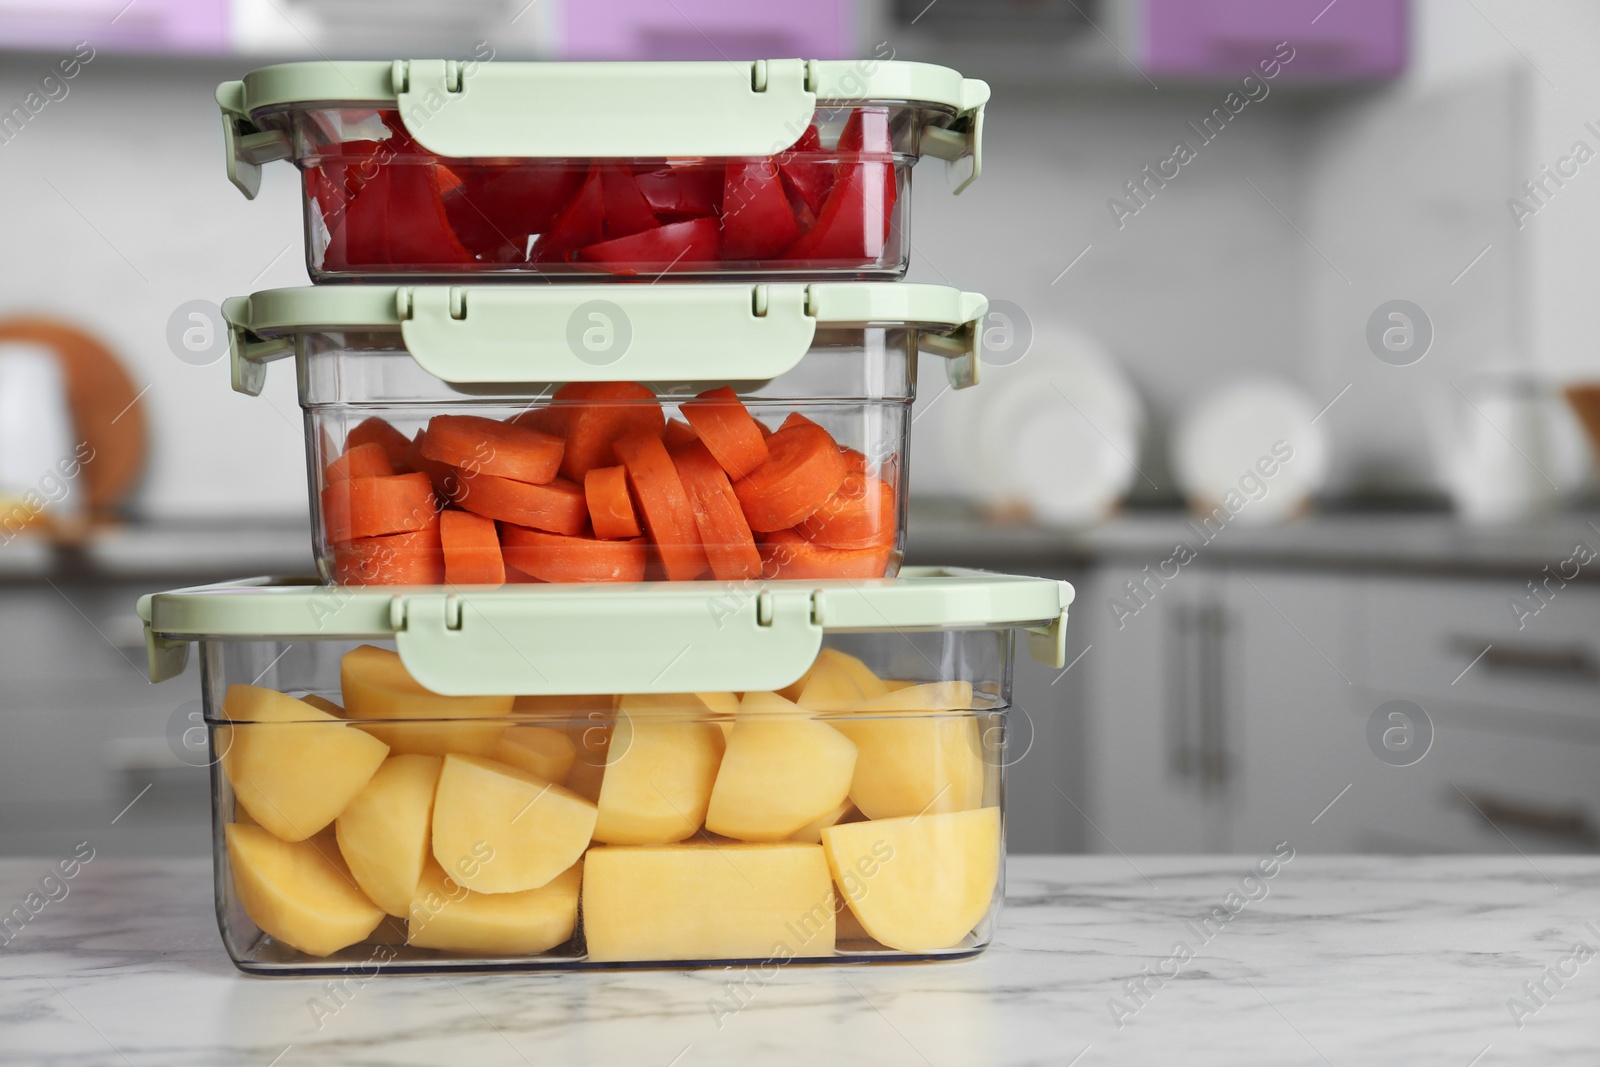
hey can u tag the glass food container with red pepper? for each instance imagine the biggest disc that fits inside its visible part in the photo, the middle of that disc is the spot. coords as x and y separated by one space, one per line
494 434
447 170
538 778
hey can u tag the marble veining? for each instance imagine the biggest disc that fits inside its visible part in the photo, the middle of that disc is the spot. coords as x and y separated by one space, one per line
1343 960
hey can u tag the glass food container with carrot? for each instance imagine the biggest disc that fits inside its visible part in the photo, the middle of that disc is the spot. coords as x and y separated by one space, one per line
500 434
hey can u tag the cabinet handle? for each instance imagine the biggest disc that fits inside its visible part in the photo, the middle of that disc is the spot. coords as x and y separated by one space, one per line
1214 768
1180 693
1570 823
1573 662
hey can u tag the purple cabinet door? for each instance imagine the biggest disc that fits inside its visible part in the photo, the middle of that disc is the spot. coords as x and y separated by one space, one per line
1345 40
707 29
115 25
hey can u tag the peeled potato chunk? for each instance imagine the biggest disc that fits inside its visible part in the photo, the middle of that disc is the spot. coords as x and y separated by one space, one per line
324 704
660 768
376 685
296 893
446 916
543 751
498 829
812 831
383 833
782 770
707 902
909 761
293 767
838 680
920 883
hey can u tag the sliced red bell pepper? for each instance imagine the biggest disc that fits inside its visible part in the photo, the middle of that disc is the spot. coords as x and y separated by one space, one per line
809 177
680 246
627 212
498 207
415 223
854 225
757 222
685 191
581 223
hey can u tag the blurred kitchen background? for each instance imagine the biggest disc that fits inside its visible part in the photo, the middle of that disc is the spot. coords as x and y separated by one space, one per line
1352 330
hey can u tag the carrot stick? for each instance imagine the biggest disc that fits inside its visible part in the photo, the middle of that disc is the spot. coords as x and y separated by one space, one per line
678 433
667 514
862 514
399 559
557 506
594 414
367 460
378 431
804 468
488 446
791 556
376 507
558 558
471 549
610 509
723 531
726 427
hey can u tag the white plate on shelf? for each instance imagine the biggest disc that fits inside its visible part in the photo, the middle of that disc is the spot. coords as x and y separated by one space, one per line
1254 447
1059 431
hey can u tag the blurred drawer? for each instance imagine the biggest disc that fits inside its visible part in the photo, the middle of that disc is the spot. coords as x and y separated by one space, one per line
70 632
1460 641
1483 790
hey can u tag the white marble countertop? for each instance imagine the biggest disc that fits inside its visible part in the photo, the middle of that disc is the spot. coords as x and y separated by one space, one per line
1344 960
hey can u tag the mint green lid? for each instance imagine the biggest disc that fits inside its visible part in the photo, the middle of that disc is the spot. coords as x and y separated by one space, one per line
684 331
650 637
472 109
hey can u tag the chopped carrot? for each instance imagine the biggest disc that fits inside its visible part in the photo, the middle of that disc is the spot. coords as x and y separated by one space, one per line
552 557
724 534
678 433
488 446
557 506
399 559
791 556
363 461
862 514
610 509
726 427
378 431
594 414
471 549
803 469
376 507
667 514
446 479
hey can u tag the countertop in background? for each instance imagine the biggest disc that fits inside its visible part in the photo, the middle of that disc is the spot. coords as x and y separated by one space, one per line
1432 542
1338 960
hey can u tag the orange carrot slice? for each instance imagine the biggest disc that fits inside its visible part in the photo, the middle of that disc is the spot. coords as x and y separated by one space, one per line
399 559
610 508
791 556
557 506
804 468
552 557
488 446
862 514
594 414
377 507
378 431
678 433
667 514
724 533
363 461
471 549
726 427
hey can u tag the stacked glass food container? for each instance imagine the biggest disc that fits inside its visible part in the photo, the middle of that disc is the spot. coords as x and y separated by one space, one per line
611 659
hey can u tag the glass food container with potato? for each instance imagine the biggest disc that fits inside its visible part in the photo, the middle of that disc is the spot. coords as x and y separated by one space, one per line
536 777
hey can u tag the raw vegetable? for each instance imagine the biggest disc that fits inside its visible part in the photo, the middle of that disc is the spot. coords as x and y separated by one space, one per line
375 506
724 534
723 423
667 514
610 508
804 468
488 446
553 557
471 549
